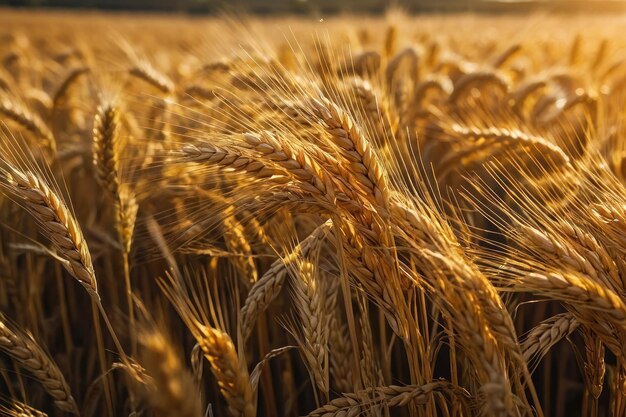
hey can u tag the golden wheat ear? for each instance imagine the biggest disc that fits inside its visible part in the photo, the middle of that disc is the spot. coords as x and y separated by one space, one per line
12 109
106 135
227 366
29 355
55 220
31 186
354 404
18 409
310 302
171 389
267 288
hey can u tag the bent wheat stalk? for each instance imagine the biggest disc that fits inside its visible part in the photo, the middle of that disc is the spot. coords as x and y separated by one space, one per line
14 111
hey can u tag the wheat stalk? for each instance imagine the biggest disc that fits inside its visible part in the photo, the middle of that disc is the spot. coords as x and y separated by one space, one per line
237 243
62 90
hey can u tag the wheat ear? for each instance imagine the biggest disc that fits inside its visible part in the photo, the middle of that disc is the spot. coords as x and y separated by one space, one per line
17 409
174 391
231 374
21 115
354 404
106 131
361 158
58 223
29 355
308 294
146 72
546 334
266 289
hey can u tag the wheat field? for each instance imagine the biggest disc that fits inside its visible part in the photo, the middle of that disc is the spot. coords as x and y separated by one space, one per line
339 216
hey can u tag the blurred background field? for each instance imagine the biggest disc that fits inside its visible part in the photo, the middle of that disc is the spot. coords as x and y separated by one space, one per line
332 6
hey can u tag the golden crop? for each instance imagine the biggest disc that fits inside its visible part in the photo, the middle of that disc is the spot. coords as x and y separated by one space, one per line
352 216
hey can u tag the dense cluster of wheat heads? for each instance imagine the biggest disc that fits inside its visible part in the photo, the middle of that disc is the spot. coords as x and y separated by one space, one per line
398 216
